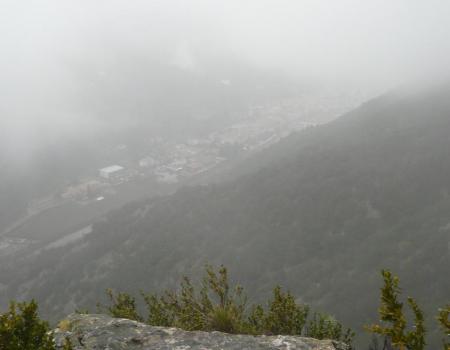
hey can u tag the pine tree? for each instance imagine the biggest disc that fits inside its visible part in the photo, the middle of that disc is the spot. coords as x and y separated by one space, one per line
391 311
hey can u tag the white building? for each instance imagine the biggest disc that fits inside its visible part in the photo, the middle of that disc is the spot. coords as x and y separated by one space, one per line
111 171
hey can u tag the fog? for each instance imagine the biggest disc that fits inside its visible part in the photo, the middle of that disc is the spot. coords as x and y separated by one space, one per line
80 70
141 139
373 45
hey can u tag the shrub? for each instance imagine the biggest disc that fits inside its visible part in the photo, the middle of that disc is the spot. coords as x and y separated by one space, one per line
326 327
122 305
217 306
391 312
283 316
158 312
21 328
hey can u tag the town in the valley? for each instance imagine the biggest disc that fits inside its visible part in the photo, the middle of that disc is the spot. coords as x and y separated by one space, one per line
165 164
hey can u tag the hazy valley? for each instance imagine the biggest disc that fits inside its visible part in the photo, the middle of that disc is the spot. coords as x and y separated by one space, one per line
301 147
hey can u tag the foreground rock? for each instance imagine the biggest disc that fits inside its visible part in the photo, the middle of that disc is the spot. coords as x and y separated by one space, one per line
103 332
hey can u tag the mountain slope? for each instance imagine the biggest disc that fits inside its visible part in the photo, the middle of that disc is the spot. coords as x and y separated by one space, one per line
321 213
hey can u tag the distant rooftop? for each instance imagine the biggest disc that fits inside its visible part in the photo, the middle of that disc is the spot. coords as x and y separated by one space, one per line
111 169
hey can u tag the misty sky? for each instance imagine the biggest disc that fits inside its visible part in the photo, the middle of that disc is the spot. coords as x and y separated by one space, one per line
370 44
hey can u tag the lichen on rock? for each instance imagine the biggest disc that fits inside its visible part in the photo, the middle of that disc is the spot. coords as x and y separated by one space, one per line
89 332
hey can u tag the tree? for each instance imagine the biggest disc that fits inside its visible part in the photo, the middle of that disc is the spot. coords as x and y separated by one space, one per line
21 328
391 311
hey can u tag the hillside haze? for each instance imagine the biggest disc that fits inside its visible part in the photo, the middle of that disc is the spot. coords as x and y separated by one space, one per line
319 213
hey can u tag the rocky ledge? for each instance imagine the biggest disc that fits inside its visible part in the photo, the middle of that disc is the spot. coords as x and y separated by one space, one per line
106 333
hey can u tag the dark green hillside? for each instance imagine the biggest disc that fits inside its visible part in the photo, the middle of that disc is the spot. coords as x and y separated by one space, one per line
321 213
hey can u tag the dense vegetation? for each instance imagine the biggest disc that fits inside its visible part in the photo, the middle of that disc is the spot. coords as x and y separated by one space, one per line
218 306
321 213
21 328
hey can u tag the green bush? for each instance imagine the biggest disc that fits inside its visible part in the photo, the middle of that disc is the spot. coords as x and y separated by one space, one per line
214 307
122 305
217 306
326 327
21 328
391 312
283 315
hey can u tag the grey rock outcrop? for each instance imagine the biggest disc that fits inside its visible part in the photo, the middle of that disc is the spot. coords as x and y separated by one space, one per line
100 332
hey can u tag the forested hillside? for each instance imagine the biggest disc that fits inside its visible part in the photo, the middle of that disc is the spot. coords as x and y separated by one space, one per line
320 213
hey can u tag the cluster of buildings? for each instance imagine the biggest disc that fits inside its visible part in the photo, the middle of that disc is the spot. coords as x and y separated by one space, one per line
261 127
181 161
169 162
172 162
